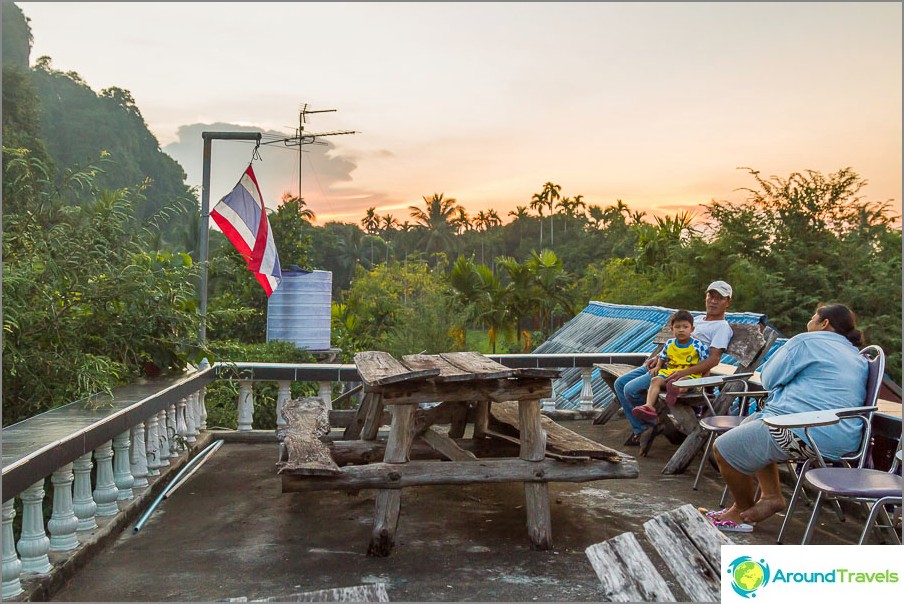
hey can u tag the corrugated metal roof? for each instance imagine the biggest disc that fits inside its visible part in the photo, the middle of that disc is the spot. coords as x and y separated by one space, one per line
604 327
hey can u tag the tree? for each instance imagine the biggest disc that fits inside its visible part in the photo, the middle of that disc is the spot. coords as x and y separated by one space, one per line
436 222
550 194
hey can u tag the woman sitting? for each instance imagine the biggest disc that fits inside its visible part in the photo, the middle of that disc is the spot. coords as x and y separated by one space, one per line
813 371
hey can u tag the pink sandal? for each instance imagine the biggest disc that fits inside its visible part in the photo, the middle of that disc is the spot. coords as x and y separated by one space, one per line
644 413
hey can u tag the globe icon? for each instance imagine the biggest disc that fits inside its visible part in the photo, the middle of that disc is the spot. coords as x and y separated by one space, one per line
748 575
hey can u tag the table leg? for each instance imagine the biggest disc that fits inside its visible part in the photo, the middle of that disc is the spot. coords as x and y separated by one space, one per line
459 420
481 419
536 494
388 504
374 418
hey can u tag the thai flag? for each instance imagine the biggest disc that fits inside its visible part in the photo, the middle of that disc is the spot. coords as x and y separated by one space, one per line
243 219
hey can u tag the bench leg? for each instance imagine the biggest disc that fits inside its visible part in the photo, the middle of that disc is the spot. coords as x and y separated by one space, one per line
536 494
482 419
374 418
389 501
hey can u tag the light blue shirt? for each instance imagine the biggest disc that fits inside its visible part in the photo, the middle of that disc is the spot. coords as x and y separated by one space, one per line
815 371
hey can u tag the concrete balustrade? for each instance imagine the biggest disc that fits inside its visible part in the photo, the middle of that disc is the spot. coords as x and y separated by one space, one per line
245 406
105 491
83 504
63 523
586 389
165 440
138 457
188 418
12 566
325 392
33 544
175 444
122 467
284 393
152 445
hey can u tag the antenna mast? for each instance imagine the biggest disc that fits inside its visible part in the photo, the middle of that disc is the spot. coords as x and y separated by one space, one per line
308 138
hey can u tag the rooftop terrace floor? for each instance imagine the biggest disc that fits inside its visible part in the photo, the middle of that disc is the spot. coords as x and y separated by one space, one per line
229 532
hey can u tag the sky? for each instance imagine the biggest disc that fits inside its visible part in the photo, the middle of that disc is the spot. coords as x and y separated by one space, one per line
655 104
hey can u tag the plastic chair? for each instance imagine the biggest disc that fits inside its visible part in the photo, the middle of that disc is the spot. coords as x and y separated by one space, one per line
864 485
876 369
715 425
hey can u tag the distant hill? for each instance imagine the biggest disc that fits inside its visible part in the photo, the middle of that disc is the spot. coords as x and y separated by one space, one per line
76 126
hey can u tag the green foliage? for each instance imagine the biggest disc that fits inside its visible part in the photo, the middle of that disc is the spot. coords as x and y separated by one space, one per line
86 306
221 398
78 126
401 309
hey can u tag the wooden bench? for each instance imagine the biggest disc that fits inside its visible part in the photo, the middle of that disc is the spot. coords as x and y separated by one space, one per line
688 544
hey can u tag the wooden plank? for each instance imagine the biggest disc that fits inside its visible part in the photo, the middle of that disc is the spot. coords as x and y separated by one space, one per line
380 368
513 440
307 419
558 438
428 473
538 372
614 370
476 390
626 572
447 371
445 445
690 547
345 452
459 420
479 366
481 419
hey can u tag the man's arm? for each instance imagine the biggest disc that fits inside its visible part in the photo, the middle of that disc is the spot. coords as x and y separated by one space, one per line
715 355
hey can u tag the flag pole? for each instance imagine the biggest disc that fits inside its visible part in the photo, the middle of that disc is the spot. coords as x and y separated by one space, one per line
203 235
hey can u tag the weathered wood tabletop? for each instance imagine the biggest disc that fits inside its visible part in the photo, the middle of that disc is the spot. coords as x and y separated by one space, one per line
513 443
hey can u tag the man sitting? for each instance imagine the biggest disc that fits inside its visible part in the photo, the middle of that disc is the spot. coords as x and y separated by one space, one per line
713 330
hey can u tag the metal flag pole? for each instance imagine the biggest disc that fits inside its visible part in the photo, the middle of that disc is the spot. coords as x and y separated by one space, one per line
203 235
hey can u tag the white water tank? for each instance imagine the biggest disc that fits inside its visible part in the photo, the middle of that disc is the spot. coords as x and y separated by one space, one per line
299 310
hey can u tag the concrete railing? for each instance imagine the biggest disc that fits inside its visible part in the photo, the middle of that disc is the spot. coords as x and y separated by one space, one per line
126 441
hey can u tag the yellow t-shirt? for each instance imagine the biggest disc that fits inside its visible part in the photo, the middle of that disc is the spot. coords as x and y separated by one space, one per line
677 356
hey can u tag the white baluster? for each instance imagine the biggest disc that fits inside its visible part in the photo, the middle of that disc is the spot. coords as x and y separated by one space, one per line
586 389
63 523
12 567
105 491
152 445
176 444
82 502
326 393
188 416
122 470
202 408
33 545
165 440
193 405
181 428
138 457
246 406
284 394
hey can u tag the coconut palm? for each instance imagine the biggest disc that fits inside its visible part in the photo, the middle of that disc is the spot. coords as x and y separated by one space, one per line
371 222
437 222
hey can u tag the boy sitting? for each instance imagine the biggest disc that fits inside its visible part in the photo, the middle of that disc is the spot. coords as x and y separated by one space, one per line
680 352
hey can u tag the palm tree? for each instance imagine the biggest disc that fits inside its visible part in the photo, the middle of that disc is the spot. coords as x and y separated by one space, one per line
551 279
304 212
550 195
436 222
461 222
537 202
517 214
371 222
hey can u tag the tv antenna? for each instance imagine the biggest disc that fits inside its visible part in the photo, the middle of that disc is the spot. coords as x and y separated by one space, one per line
309 138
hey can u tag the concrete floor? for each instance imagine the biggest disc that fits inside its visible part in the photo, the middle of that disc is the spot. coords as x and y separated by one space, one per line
229 532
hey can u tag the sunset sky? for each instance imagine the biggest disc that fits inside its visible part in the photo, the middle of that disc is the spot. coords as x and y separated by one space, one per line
655 104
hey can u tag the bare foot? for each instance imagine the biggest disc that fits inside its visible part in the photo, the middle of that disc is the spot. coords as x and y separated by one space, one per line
731 513
762 509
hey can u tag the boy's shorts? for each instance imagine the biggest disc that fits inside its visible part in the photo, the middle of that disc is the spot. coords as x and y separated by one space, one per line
750 447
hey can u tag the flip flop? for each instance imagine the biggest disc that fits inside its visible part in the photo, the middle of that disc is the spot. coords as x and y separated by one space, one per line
644 413
729 526
712 513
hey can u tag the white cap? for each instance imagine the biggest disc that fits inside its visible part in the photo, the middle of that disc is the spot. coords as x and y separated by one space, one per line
721 287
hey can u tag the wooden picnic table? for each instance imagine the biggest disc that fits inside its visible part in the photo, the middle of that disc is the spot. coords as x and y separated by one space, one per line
510 440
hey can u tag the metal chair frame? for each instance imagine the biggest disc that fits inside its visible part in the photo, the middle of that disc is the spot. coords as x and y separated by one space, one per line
876 369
